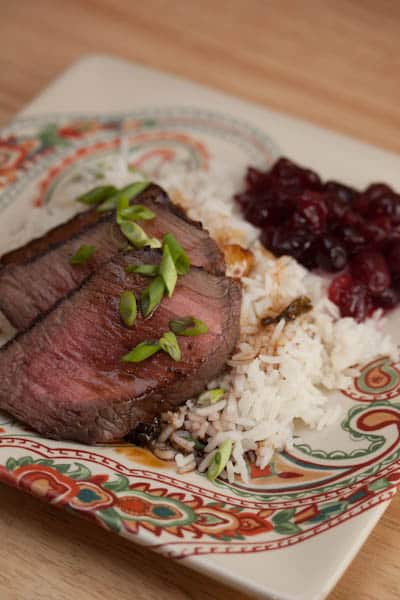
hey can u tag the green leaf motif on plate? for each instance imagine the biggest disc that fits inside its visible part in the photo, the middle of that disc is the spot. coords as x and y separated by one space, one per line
120 484
49 137
287 528
283 515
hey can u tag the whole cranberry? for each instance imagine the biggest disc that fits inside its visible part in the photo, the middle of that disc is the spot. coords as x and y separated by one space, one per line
258 215
337 207
292 243
370 268
256 179
352 298
287 173
312 206
311 180
340 190
339 286
353 239
356 302
395 217
386 206
281 204
376 230
377 190
297 221
393 259
393 235
389 298
282 168
361 204
308 258
353 219
330 253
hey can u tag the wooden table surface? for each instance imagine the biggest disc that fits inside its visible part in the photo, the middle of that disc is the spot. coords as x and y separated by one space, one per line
335 62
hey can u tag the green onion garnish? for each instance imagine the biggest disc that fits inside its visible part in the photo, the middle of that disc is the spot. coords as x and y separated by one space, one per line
137 212
146 270
137 236
128 193
82 255
152 296
210 396
128 308
188 326
168 270
122 204
109 203
134 189
96 195
142 351
169 344
220 459
179 256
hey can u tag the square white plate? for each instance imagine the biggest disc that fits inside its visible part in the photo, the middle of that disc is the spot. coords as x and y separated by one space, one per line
277 539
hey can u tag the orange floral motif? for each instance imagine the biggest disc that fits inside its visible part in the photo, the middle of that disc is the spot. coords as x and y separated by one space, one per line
46 483
251 524
78 129
133 506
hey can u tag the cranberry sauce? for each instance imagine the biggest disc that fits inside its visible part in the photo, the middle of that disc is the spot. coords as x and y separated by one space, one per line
333 227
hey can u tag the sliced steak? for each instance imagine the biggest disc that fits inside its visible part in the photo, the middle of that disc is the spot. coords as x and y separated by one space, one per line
65 378
33 278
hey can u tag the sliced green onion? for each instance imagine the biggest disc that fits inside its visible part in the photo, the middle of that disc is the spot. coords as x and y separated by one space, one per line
108 204
146 270
152 296
210 397
168 270
128 308
169 344
153 243
137 236
142 351
96 195
127 193
137 212
122 204
220 460
188 326
82 255
179 256
134 189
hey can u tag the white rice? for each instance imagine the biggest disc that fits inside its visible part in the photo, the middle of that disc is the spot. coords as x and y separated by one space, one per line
280 373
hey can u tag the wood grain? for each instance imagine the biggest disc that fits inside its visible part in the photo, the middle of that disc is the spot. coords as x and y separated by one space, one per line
335 62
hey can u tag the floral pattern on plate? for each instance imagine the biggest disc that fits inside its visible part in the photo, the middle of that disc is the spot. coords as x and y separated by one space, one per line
326 479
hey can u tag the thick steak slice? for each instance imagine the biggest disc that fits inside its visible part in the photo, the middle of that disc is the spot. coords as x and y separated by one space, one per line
64 377
33 278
